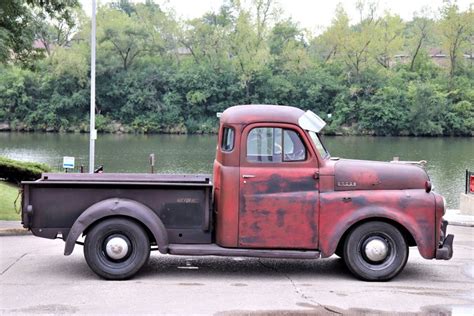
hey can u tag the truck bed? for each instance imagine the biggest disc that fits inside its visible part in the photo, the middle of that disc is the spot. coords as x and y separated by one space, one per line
181 201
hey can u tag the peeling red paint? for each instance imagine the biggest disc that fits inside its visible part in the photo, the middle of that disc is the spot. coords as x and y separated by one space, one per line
377 175
412 209
278 211
311 204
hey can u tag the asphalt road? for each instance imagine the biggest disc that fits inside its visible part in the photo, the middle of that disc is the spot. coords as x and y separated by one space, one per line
36 278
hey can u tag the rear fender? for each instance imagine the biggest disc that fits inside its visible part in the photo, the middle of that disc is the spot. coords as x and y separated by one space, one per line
118 207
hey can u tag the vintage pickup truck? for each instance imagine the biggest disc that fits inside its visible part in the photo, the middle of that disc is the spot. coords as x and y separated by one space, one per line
276 193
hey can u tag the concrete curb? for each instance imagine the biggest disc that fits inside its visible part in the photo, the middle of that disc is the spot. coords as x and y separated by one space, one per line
12 228
14 232
457 223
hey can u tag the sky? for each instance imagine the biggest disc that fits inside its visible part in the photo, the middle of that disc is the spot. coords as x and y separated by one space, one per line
314 15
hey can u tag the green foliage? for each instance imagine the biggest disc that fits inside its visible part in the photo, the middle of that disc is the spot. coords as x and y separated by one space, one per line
18 27
17 171
159 74
385 113
428 107
8 194
15 101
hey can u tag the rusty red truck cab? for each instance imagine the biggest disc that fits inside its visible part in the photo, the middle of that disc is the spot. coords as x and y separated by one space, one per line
276 186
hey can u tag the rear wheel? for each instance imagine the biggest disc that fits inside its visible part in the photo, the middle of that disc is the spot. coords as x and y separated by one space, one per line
375 251
116 248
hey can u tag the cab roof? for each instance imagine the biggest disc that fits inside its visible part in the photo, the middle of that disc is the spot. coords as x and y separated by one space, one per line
254 113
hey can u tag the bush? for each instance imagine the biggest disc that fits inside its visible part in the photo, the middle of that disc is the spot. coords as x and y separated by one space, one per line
17 171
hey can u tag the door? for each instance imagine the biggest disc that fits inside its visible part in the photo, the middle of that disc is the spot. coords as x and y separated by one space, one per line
279 196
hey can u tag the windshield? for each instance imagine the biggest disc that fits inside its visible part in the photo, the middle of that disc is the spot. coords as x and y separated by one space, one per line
319 145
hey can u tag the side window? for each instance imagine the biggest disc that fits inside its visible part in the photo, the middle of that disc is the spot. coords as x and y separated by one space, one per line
261 145
294 148
227 139
266 144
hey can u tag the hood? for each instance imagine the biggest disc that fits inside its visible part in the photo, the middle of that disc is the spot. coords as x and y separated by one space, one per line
376 175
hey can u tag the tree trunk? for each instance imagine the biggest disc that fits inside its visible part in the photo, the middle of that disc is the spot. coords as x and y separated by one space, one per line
412 64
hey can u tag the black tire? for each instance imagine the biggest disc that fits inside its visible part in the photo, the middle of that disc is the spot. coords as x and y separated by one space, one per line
136 254
357 252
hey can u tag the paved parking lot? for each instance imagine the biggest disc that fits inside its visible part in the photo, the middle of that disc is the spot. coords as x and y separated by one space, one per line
36 278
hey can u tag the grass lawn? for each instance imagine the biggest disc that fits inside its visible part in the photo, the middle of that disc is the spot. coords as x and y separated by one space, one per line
8 194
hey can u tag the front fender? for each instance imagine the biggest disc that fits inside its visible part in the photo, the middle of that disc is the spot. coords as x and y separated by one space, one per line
412 209
118 207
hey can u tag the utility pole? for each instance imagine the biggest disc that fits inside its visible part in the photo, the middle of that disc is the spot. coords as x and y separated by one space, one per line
93 132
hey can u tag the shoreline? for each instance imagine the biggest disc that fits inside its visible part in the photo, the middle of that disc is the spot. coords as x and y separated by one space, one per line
132 132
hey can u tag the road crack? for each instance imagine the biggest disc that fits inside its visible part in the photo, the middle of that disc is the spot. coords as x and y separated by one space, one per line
11 265
297 289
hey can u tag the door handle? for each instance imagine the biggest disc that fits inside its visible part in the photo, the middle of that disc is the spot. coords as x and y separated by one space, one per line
247 176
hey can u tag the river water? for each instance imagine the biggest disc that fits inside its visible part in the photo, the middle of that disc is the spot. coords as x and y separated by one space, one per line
448 158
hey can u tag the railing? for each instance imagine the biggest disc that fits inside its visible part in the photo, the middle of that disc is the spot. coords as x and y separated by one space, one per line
469 182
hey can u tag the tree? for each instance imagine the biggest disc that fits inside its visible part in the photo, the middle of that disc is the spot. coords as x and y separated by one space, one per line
161 27
123 34
17 27
455 29
428 104
288 48
208 38
418 33
263 12
386 112
352 44
356 48
333 39
389 39
248 53
54 32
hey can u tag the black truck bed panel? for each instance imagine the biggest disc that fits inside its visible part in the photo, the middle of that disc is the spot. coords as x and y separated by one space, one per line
182 202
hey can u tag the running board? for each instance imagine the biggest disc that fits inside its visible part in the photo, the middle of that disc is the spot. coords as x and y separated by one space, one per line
215 250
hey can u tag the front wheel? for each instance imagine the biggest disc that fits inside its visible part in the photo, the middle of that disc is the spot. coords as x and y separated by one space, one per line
375 251
116 248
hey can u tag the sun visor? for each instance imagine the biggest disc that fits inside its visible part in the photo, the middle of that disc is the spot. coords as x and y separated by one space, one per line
311 122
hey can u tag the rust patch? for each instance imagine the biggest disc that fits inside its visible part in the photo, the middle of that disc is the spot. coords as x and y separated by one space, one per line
279 210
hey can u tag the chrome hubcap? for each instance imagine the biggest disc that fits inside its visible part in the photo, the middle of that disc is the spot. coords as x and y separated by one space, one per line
116 248
376 250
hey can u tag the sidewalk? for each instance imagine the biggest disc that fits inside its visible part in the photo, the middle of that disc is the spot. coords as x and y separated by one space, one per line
14 228
454 217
